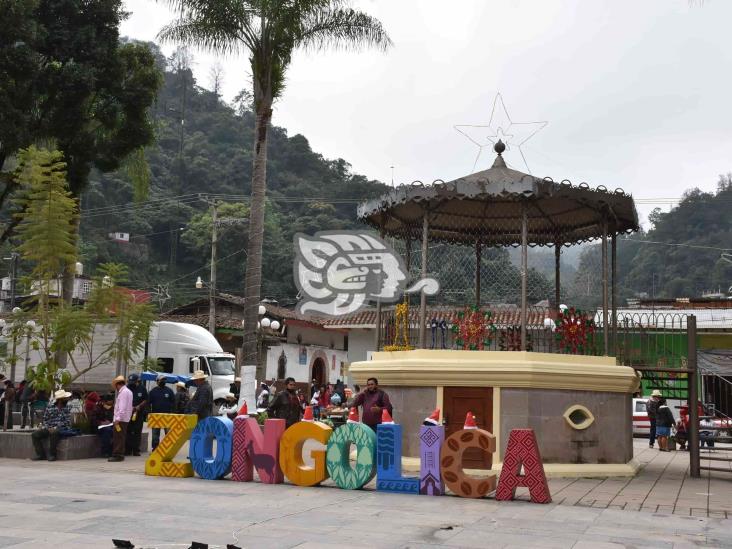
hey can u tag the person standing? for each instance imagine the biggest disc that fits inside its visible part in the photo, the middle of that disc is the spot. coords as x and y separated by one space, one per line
664 422
101 418
230 407
9 403
26 398
235 388
202 402
373 400
263 398
181 398
162 401
652 410
121 417
286 404
139 411
56 419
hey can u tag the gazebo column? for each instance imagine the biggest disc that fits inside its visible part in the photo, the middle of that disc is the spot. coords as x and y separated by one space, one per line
614 290
605 327
524 270
478 253
377 338
422 295
557 273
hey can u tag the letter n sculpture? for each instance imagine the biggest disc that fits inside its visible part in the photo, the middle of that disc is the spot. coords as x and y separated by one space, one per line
252 449
523 450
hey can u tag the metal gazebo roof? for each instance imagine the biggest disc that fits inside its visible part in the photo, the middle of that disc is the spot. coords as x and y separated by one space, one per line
488 206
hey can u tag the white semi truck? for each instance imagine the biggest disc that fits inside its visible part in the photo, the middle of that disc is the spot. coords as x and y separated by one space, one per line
179 348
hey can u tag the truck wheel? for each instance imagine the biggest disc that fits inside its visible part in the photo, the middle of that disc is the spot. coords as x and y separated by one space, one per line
218 403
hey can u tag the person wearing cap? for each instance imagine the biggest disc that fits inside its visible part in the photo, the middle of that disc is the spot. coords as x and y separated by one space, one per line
202 402
230 407
56 418
652 411
101 418
373 400
161 401
122 415
181 398
139 411
286 404
235 388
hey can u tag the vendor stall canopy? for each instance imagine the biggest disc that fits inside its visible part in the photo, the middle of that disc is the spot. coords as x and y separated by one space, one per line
487 207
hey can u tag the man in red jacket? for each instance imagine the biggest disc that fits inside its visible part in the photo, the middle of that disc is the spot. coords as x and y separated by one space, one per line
373 400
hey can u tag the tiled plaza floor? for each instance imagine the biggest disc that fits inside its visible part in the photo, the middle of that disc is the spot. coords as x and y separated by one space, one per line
88 502
662 485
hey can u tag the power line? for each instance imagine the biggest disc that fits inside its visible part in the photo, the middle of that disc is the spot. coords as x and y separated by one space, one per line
681 245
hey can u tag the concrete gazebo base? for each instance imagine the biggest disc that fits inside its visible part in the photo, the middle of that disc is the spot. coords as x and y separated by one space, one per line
579 406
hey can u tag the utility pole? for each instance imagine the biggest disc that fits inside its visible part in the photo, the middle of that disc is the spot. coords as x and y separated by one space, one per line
212 282
13 276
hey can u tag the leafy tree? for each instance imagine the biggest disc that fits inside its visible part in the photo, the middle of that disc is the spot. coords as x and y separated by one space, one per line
46 234
108 303
270 31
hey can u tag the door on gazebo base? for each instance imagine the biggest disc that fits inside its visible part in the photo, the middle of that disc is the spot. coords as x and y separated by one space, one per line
457 402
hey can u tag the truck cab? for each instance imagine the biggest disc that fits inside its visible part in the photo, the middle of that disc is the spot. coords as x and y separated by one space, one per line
182 348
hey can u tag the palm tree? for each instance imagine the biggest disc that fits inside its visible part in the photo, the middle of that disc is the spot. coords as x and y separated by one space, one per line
269 31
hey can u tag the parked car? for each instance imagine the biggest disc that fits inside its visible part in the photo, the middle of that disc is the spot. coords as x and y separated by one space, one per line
641 423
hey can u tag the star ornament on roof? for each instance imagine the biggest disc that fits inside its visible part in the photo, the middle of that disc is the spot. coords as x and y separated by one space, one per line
501 127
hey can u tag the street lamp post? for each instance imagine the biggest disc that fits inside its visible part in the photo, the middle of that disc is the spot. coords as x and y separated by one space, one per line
265 322
30 327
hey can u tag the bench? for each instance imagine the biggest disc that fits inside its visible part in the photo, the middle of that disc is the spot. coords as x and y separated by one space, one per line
18 444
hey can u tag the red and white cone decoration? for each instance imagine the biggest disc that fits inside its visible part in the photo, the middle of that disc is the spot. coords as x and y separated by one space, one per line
243 411
353 416
470 421
386 418
433 419
308 415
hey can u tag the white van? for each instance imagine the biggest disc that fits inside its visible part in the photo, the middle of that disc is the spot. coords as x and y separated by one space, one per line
177 345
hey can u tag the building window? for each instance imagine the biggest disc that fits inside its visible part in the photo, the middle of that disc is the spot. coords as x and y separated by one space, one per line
165 365
282 366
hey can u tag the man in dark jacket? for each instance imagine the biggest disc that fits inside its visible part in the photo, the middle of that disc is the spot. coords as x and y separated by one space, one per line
286 404
101 419
652 411
181 398
202 402
162 401
139 411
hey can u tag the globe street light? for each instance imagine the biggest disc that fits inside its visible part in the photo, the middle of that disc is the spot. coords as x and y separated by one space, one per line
211 304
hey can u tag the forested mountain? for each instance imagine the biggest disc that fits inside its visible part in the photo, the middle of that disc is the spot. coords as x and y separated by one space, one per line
680 256
204 148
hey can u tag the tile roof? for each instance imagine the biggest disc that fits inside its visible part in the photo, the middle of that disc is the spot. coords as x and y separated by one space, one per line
503 315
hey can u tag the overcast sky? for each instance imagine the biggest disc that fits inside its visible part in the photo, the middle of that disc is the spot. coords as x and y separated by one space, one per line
636 93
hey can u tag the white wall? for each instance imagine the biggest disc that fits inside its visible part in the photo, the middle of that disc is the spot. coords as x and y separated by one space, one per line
302 372
360 342
315 336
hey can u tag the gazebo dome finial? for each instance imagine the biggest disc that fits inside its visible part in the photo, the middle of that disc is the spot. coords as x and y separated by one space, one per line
499 147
